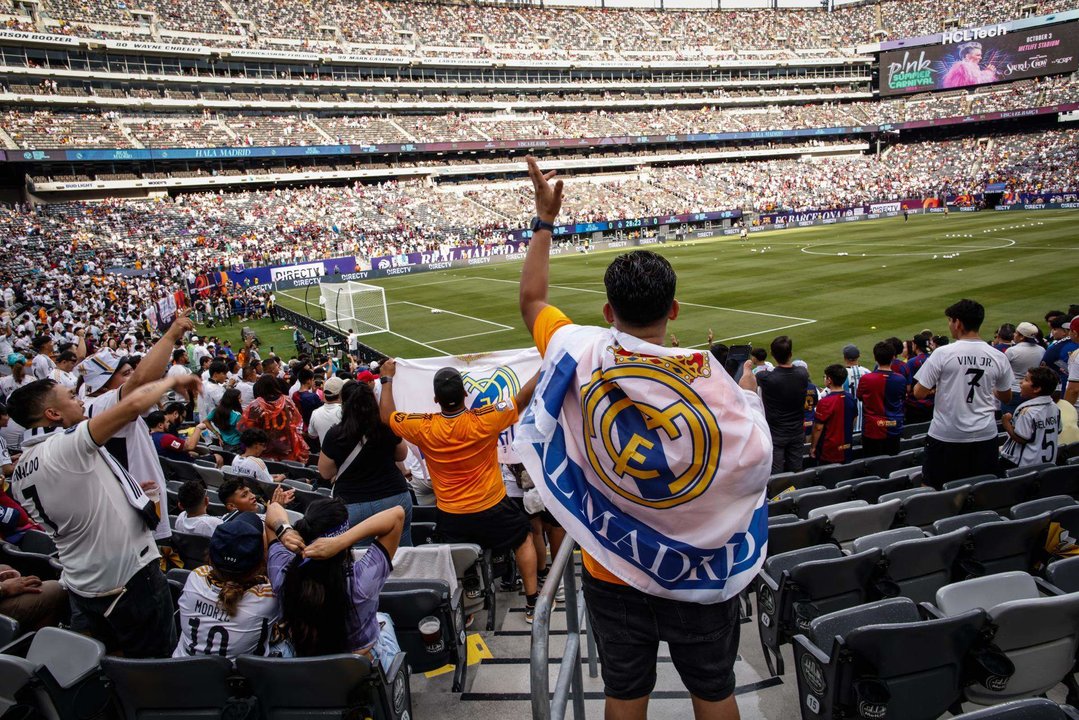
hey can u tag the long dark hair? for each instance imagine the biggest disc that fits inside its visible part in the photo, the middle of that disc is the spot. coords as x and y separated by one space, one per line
228 404
316 600
233 586
359 413
266 388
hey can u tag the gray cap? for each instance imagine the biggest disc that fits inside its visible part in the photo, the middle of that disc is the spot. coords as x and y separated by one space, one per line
851 352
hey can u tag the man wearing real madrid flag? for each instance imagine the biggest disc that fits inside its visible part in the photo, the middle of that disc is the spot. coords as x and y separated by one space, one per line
656 462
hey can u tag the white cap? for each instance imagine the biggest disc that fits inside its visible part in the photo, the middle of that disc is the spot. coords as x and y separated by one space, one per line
1027 329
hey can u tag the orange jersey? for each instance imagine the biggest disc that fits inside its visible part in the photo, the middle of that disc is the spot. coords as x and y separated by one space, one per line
461 454
548 322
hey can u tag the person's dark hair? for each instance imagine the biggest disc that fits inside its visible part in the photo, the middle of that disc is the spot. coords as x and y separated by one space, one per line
66 356
1053 314
305 375
3 410
884 353
315 601
782 349
254 436
759 354
836 373
191 494
177 354
921 342
218 367
968 312
359 413
267 388
249 371
640 287
175 407
1006 332
26 405
940 340
1043 379
897 345
204 361
155 418
719 352
229 403
228 488
40 341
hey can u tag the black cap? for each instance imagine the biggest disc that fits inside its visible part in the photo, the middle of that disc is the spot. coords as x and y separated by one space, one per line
237 545
449 387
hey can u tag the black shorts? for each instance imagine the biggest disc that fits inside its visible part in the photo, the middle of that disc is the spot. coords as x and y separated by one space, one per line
629 625
947 461
544 515
141 623
501 527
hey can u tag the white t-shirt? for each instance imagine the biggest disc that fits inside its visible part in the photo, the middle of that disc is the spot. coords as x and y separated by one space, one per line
67 487
198 525
324 418
1038 420
205 629
247 393
177 371
1023 356
41 366
211 396
134 449
67 379
8 384
252 467
965 374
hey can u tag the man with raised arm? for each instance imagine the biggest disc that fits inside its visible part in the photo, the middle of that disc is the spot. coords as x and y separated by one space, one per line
98 515
656 462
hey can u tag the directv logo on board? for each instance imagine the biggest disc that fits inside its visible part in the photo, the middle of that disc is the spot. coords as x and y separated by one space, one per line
956 36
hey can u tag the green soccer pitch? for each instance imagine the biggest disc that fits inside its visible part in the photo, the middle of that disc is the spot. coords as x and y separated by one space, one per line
824 286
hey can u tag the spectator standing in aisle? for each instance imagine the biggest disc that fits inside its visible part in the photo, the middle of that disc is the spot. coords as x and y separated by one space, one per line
882 393
833 421
629 609
1023 355
325 417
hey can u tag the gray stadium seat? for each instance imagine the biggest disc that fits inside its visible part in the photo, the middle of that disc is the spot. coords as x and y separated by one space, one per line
809 502
881 661
813 585
787 536
1041 505
1029 709
1058 481
191 548
333 686
1040 635
853 522
904 494
997 547
1000 495
171 689
967 520
917 567
1064 574
883 539
924 509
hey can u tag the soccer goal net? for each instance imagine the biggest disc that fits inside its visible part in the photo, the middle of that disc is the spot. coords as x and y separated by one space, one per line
355 306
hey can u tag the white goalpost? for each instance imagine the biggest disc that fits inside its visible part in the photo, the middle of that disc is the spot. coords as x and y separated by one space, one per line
355 306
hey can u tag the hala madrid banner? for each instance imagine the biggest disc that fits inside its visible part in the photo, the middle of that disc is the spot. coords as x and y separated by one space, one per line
489 378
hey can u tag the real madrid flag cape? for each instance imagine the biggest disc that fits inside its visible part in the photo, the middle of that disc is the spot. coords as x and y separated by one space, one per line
654 461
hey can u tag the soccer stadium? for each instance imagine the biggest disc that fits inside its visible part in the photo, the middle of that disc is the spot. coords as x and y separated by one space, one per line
482 359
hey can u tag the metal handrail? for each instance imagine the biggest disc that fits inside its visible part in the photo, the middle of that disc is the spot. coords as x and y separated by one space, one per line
546 706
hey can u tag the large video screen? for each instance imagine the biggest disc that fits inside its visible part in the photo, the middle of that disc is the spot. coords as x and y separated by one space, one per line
970 57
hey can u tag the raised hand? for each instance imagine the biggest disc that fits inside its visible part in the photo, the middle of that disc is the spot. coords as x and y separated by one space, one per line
548 197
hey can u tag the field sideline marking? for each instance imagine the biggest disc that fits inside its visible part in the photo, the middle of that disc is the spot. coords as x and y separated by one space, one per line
802 321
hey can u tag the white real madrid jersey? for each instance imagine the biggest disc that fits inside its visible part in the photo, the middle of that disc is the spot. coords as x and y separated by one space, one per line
205 628
965 374
1037 420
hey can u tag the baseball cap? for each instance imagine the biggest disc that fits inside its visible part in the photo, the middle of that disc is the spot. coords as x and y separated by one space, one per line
365 376
14 359
1074 326
449 386
800 363
1027 329
99 368
333 386
237 545
851 352
374 366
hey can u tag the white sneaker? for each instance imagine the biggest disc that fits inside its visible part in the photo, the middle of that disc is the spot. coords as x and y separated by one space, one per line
560 594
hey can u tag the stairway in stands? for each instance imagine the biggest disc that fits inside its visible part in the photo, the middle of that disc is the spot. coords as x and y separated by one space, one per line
498 686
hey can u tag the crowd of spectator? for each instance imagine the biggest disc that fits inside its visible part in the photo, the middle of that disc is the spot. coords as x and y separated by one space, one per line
48 129
591 32
203 231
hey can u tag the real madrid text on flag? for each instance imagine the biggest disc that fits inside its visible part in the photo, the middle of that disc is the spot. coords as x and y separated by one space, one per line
654 461
489 378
